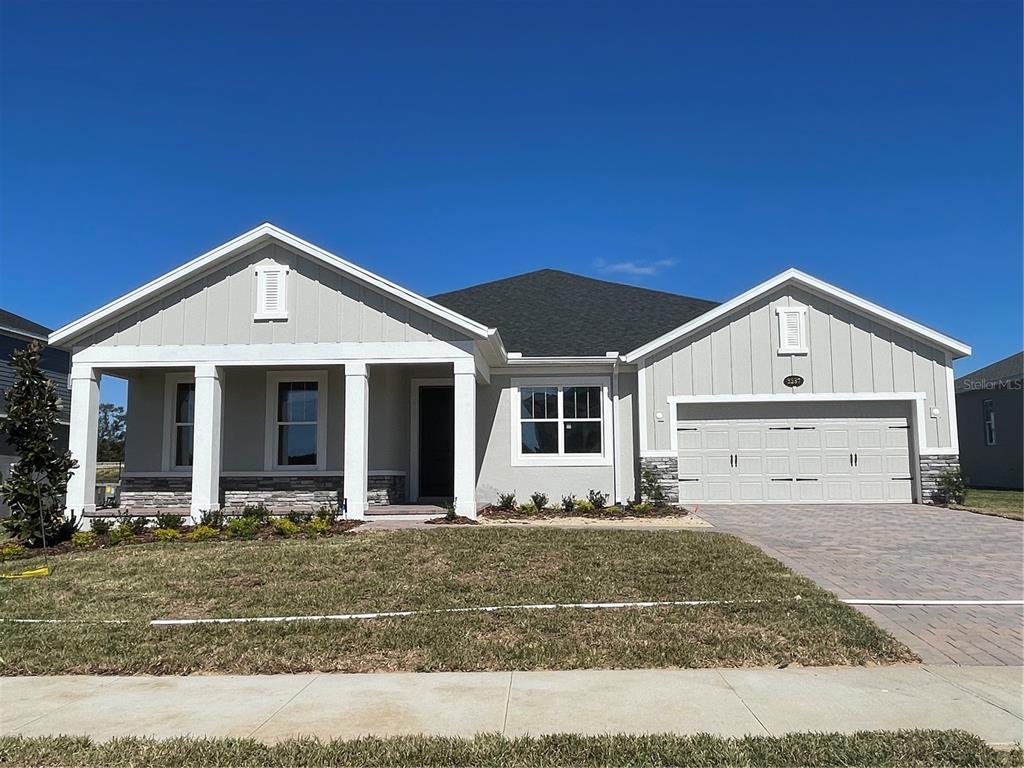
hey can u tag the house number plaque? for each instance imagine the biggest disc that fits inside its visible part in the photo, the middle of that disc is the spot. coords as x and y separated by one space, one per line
793 381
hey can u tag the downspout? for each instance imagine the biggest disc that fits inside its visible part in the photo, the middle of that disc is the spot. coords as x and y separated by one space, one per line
616 458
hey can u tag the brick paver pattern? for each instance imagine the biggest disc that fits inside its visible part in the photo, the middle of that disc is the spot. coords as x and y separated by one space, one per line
909 552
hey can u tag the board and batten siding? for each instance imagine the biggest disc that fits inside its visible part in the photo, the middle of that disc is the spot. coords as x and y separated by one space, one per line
218 308
847 353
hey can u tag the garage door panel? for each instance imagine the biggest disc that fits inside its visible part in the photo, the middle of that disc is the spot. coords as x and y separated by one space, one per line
897 437
691 466
719 490
748 438
751 490
838 490
810 465
717 438
778 465
807 437
900 490
691 490
838 464
750 464
868 438
689 438
777 438
718 464
810 490
897 464
871 489
836 438
869 463
780 490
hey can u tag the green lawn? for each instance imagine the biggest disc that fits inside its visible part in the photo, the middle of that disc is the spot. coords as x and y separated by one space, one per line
878 748
1002 503
411 569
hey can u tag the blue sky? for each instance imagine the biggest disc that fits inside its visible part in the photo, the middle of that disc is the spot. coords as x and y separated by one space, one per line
692 147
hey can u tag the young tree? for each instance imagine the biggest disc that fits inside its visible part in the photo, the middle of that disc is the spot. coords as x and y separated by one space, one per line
111 433
39 479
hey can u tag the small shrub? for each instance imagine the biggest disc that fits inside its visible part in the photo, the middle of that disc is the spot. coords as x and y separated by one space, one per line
11 550
449 509
318 526
641 508
169 522
612 510
582 505
167 534
212 518
528 508
507 501
952 487
204 533
540 500
568 504
101 526
284 527
328 513
83 539
597 499
257 512
650 488
243 527
123 532
299 517
136 524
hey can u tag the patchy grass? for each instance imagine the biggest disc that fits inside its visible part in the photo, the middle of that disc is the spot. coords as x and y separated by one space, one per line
1009 504
876 748
415 570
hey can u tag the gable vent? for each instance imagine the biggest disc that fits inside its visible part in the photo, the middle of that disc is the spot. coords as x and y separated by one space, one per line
792 330
271 292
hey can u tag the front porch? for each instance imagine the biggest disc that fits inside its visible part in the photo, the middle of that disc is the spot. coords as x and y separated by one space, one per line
362 436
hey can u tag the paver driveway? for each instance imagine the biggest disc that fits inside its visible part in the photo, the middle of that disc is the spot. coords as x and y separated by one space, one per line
904 551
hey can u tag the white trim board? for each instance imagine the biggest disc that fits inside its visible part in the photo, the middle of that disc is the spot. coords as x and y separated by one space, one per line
264 233
796 277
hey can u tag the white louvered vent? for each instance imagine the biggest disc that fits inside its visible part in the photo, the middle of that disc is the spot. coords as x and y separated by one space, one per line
792 330
271 292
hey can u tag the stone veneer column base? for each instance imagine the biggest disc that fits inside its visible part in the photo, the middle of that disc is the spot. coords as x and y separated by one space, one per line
932 466
156 492
666 468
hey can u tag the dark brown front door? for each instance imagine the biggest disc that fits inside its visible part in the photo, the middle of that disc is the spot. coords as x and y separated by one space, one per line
437 441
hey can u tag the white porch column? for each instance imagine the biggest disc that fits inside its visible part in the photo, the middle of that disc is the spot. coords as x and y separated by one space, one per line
206 436
357 396
82 433
465 438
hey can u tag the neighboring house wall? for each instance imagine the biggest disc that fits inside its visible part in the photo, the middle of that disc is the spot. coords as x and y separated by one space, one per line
992 466
848 353
218 308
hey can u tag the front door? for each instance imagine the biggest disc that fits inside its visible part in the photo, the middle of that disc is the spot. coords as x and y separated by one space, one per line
437 441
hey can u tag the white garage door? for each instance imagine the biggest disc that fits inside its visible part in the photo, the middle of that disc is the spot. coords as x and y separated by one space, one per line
773 453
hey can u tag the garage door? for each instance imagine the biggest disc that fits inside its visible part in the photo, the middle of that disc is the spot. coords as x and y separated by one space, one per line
790 453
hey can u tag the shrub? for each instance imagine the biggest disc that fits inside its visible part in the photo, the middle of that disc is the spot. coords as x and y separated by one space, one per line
507 501
650 488
243 527
582 505
952 487
83 539
540 500
136 524
169 522
11 549
528 508
101 526
167 534
123 532
257 512
568 504
212 518
298 517
612 510
204 533
284 527
318 526
597 499
641 507
449 509
328 513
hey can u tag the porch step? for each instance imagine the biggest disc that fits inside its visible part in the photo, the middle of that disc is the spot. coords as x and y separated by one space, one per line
403 511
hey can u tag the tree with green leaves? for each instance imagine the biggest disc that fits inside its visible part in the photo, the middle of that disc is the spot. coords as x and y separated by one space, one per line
38 480
110 444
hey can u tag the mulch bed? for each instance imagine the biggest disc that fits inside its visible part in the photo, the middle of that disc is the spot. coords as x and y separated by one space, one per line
457 520
548 513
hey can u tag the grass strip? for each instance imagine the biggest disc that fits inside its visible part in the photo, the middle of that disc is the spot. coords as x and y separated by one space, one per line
867 748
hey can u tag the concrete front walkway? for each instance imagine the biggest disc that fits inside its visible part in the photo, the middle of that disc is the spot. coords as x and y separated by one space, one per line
729 702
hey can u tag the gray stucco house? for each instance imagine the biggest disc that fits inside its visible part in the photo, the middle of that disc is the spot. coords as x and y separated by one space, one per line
990 417
17 332
269 369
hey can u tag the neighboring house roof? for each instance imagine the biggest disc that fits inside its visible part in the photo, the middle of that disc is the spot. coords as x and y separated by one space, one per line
248 241
1007 370
550 313
22 326
813 284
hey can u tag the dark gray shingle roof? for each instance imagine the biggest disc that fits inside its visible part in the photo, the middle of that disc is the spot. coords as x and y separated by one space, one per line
551 313
23 324
1008 369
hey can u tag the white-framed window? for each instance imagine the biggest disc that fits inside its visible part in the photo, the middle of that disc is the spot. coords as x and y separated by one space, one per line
988 414
179 421
792 330
561 421
296 435
271 292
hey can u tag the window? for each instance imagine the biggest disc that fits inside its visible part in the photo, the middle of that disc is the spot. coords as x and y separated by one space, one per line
271 292
184 422
988 413
792 330
560 423
296 436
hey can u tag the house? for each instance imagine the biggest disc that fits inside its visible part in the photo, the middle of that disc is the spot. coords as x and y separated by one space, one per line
270 370
990 422
16 333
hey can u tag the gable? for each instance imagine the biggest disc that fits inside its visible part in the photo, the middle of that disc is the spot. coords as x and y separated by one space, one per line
220 306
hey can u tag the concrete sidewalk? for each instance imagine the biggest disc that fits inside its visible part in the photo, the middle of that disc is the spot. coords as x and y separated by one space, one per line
729 702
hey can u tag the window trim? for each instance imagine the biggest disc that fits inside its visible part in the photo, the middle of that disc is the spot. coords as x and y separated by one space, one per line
261 312
270 439
988 421
801 347
171 382
602 459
